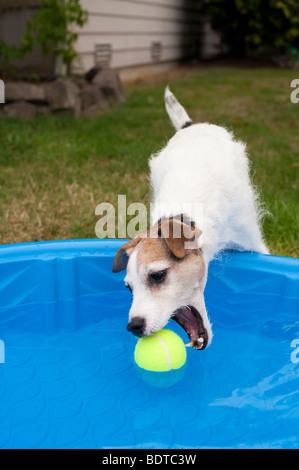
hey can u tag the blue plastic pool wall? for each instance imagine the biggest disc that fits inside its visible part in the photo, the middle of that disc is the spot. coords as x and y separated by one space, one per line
69 381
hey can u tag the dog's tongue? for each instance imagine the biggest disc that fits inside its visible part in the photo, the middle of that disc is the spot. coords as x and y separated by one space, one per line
189 319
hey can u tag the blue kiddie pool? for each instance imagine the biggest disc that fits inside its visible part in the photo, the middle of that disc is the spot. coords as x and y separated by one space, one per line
67 374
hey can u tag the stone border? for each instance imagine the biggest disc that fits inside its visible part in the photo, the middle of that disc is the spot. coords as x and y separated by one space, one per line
98 90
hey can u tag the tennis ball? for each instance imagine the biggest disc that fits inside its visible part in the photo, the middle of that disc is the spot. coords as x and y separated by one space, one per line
161 352
161 379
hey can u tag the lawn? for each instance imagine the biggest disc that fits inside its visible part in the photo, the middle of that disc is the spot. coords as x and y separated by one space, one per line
55 169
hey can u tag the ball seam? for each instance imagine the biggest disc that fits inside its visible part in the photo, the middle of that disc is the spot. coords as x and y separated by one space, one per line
165 349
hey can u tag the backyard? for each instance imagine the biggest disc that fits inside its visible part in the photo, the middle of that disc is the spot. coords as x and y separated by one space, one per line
55 169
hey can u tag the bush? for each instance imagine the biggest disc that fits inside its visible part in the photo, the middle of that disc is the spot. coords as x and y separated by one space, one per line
264 25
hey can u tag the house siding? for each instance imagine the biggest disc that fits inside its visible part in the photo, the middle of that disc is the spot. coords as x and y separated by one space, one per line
130 27
134 32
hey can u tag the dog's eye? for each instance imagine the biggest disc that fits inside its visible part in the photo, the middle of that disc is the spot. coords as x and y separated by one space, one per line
129 287
157 278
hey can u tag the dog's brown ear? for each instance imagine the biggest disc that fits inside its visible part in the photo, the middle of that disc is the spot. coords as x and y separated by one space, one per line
180 237
122 255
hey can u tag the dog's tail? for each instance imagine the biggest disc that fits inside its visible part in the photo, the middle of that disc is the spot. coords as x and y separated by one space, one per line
176 112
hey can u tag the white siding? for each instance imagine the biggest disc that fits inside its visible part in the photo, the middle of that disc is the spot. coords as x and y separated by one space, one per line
131 26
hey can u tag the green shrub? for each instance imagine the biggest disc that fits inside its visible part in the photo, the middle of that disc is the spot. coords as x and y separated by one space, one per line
265 25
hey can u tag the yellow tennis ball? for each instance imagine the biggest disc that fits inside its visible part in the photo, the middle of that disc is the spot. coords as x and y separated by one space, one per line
161 352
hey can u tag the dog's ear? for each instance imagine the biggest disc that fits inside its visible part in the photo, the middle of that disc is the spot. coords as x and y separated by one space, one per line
122 256
180 237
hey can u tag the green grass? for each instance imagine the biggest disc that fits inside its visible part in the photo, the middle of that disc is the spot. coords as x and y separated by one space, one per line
55 169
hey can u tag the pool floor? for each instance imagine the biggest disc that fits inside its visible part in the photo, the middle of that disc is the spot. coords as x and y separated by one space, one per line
79 387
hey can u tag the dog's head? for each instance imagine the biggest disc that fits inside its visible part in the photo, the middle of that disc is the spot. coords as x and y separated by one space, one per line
166 274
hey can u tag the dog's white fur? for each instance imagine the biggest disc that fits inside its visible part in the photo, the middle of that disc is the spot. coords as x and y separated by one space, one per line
202 164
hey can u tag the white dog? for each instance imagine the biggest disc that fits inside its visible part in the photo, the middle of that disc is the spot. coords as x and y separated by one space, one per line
201 166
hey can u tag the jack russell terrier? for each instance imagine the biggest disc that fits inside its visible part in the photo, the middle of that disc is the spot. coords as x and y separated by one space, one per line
167 267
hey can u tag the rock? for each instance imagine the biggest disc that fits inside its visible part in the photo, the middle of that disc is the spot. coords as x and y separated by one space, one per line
24 91
97 90
92 98
20 109
109 82
63 94
43 109
80 82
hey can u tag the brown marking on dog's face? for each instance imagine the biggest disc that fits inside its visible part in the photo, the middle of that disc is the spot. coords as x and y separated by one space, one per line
154 262
168 239
163 276
122 255
181 238
157 261
160 246
152 250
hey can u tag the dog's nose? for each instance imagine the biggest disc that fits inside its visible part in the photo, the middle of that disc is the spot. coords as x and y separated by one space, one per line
136 326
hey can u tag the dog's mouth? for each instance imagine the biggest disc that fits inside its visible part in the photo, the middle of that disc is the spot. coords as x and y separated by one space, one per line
190 319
